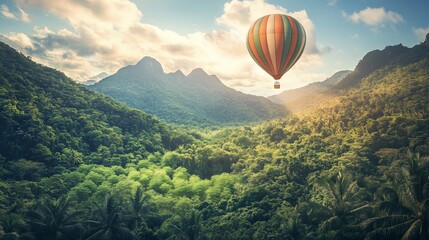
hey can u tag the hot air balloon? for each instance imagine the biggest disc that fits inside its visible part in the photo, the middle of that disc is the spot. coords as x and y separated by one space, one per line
276 42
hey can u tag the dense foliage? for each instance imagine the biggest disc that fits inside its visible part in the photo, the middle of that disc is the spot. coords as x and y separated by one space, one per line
356 167
194 99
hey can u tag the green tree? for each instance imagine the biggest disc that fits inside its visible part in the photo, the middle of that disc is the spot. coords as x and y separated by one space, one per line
408 215
27 170
108 223
12 227
277 134
140 207
342 205
294 228
186 227
54 220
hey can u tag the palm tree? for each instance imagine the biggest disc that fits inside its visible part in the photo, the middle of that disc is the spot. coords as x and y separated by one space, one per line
296 230
343 203
52 220
139 206
12 227
108 223
408 215
186 227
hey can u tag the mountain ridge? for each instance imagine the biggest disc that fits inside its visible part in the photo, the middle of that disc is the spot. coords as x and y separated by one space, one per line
314 94
395 55
195 98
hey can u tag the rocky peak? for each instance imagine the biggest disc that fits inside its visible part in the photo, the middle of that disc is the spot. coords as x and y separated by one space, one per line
150 64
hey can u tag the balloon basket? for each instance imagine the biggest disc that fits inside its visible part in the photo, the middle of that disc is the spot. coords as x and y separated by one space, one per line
276 85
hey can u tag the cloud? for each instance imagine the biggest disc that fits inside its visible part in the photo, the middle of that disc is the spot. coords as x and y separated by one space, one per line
375 17
421 32
99 13
23 16
19 40
240 14
7 13
100 38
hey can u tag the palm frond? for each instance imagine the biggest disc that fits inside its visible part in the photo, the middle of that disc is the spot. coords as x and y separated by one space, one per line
364 209
390 232
394 208
333 223
413 231
385 221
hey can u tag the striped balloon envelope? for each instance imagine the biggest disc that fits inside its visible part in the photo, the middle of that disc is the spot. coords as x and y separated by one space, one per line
276 42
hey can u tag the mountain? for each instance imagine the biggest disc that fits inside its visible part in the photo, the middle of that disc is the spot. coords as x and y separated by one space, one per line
49 121
300 99
196 98
314 94
397 55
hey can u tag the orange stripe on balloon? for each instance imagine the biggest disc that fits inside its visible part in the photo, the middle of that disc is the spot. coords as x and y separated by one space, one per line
254 50
292 45
263 39
279 36
271 42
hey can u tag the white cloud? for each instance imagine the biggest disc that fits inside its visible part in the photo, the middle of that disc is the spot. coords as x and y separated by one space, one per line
103 39
24 16
239 14
110 14
6 12
375 17
421 32
19 40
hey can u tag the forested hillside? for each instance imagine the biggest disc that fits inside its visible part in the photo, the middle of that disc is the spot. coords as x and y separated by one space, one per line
355 167
194 99
49 123
314 94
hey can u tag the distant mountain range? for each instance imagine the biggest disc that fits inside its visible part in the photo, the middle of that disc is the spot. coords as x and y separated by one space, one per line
196 98
314 94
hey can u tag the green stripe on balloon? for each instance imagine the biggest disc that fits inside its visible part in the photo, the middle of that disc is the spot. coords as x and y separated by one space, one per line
287 40
257 42
251 52
299 46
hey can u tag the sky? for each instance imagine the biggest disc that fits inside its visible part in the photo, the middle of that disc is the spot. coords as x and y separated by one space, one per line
84 38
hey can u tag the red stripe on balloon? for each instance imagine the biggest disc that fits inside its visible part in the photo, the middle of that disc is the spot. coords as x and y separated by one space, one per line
254 51
264 44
